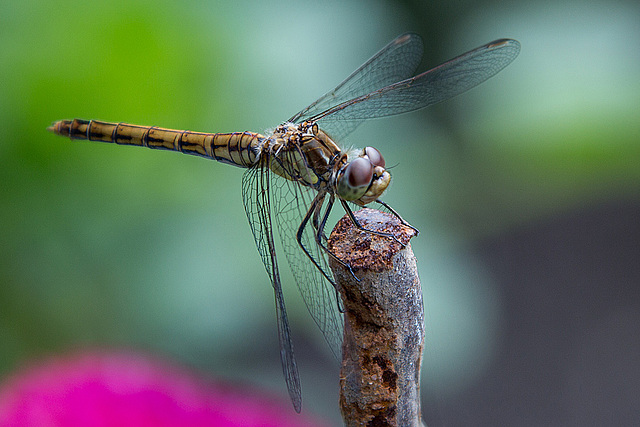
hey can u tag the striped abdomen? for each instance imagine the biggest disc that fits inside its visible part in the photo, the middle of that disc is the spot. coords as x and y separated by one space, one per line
238 148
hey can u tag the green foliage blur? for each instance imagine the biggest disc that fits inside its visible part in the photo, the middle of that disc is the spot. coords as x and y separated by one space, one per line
105 246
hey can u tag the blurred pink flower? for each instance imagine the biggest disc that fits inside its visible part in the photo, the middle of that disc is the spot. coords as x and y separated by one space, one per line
126 389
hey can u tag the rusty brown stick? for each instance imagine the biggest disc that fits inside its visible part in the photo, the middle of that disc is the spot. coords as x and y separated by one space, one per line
384 322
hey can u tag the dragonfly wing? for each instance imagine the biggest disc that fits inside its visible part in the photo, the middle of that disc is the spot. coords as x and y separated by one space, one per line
438 84
289 365
394 62
256 197
292 201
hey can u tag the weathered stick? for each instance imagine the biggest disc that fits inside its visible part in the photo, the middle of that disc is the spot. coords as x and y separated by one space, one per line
384 322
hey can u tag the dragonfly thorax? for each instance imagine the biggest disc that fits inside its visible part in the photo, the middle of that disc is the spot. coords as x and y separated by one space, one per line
304 153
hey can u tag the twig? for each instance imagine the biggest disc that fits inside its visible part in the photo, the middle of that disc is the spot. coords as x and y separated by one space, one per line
384 322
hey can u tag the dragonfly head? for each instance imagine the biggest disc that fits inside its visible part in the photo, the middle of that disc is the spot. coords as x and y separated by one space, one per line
363 179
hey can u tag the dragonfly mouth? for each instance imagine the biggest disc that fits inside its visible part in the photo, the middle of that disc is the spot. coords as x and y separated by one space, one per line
379 183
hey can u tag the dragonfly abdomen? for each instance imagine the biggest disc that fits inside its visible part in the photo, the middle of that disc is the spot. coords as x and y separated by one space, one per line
236 148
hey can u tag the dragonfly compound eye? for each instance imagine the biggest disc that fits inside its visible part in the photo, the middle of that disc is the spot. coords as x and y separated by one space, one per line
374 156
356 179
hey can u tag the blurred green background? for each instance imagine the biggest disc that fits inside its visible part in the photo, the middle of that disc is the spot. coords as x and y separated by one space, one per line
526 191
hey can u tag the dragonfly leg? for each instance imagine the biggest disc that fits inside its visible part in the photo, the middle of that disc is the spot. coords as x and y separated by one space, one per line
321 237
359 226
397 215
317 201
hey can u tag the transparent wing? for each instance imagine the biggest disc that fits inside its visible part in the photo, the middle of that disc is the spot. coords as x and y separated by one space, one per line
257 203
394 62
438 84
292 201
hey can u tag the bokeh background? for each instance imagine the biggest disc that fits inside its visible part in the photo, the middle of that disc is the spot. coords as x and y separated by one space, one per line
526 191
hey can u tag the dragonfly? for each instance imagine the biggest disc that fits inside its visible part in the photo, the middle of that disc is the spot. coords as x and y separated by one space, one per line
297 172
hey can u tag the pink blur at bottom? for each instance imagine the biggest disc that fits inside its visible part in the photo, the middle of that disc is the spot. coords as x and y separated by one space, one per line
127 389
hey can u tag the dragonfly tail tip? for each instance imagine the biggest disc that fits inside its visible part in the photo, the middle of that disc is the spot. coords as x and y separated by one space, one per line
53 127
